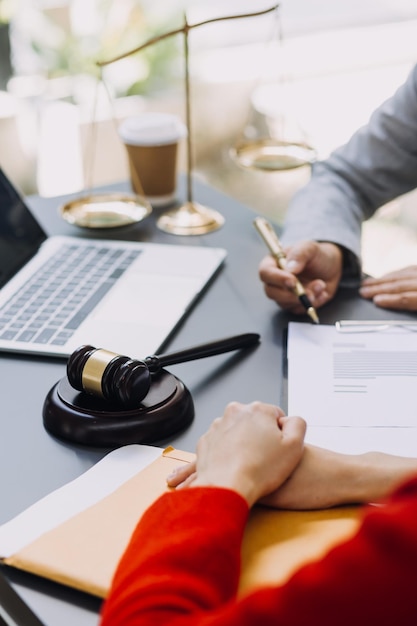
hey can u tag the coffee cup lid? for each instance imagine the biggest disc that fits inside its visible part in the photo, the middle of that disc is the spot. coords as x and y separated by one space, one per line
152 129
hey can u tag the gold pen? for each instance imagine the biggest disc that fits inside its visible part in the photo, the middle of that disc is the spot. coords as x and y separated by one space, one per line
269 236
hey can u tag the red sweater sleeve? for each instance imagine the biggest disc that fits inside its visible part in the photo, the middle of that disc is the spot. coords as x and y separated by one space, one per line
182 567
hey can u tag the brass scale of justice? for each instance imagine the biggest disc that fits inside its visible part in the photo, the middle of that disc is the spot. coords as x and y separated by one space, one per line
191 218
107 399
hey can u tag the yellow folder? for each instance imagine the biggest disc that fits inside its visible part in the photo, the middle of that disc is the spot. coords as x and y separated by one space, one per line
83 551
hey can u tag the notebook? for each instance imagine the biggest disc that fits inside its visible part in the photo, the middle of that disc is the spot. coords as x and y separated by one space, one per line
60 292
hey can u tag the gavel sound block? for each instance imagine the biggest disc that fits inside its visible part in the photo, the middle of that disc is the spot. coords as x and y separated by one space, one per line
75 409
83 418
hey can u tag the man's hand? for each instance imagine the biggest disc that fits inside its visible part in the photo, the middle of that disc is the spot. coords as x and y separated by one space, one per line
252 449
317 265
396 290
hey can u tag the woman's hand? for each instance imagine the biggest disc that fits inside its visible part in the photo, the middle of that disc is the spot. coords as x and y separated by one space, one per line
318 266
396 290
324 478
252 449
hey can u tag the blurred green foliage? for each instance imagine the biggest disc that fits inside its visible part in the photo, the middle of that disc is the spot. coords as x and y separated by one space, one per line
61 51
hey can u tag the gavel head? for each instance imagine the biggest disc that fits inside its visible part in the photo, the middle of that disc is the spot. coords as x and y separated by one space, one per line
116 378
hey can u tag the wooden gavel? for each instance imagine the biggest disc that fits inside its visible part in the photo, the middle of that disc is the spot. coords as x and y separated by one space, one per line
125 381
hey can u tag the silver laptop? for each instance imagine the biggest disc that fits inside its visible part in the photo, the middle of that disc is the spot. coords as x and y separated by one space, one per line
57 293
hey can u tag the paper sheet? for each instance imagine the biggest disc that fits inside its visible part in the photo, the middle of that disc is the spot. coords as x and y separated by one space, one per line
361 380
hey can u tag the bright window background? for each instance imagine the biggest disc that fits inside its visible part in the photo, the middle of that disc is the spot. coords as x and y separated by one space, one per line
341 59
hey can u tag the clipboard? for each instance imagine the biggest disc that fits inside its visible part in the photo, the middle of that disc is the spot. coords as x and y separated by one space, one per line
368 326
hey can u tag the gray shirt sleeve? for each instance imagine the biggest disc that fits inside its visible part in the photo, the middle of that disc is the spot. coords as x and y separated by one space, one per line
378 164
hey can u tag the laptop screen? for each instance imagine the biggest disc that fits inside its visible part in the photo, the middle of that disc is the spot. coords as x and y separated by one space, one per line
20 233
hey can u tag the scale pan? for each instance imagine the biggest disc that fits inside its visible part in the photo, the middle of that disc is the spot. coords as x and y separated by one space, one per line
106 210
273 155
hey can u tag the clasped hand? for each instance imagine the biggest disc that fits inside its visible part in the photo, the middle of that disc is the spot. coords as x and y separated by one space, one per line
260 453
252 449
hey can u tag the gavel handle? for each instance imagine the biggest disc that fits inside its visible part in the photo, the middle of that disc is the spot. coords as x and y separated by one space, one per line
156 362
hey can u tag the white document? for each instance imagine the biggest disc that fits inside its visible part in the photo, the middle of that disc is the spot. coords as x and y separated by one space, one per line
355 379
357 440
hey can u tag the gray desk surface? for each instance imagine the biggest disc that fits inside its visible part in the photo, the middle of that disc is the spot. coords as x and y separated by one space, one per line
32 463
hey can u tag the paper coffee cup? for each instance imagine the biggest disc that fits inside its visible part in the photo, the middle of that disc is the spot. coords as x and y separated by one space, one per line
151 141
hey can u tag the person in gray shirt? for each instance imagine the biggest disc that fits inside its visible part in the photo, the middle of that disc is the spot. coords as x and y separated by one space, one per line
322 229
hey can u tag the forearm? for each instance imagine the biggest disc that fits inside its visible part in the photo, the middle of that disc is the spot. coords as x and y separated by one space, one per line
374 475
325 478
326 209
183 562
378 164
183 558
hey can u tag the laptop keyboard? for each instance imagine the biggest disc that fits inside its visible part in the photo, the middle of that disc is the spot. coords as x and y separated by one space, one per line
50 306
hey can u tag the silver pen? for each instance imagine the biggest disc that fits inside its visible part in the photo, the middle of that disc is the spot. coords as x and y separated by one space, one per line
270 237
